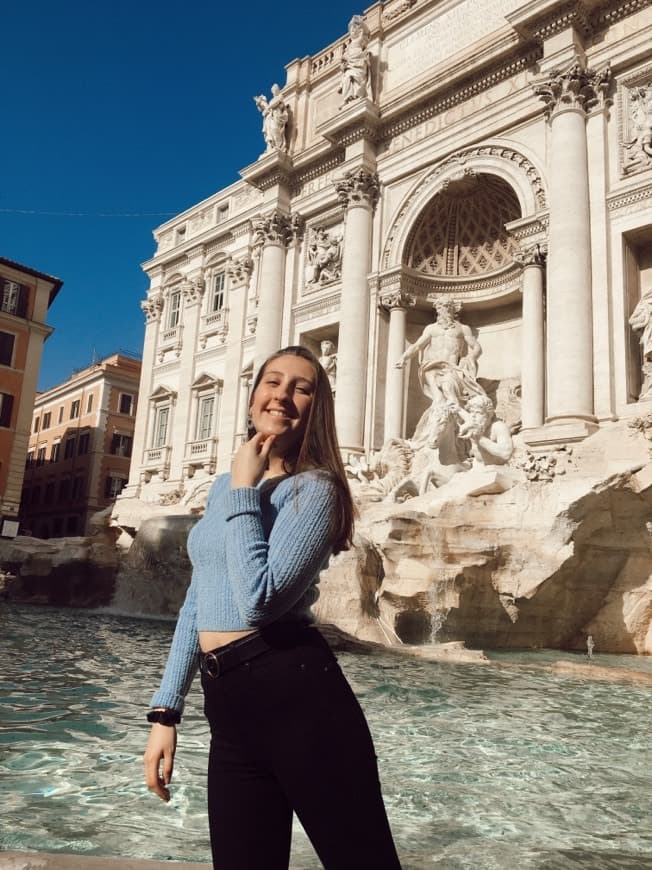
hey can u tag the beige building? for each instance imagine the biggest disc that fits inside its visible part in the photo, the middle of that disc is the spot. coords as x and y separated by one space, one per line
80 447
25 297
496 154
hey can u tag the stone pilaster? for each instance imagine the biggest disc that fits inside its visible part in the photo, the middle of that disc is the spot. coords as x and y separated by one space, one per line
152 308
272 233
568 95
397 303
358 194
532 259
193 293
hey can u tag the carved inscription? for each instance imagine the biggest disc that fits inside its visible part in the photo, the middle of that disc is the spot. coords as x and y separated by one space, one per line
436 41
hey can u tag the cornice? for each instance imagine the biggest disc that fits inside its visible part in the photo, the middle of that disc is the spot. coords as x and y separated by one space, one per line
618 201
316 307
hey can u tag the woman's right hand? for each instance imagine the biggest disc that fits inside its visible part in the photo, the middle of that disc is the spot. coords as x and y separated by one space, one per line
159 759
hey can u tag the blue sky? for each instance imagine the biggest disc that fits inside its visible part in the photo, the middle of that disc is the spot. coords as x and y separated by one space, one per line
139 108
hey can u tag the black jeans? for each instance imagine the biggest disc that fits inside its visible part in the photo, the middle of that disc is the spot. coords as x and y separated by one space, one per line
287 734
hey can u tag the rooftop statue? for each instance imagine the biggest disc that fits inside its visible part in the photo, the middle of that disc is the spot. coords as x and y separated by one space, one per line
356 63
275 118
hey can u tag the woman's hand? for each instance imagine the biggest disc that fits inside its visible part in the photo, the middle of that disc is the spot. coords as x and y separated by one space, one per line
250 460
161 747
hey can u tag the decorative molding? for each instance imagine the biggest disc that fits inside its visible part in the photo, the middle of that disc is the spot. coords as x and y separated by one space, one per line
359 187
396 10
533 254
239 271
396 299
324 257
193 290
576 88
635 122
219 243
573 14
623 9
273 229
152 308
316 170
317 307
620 201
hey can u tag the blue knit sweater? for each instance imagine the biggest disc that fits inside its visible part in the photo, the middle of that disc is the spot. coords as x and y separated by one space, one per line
256 555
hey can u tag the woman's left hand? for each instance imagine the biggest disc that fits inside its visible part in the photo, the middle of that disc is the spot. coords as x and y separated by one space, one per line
251 460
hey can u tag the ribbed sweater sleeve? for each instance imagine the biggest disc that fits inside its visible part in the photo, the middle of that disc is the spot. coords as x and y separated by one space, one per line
268 577
182 660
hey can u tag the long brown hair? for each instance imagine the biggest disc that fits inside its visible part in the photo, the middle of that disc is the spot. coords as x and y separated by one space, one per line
319 448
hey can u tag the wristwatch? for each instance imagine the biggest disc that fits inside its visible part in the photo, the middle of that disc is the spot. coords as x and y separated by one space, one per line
164 717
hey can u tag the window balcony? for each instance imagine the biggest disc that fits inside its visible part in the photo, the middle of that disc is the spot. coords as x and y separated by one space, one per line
215 323
156 461
200 454
170 339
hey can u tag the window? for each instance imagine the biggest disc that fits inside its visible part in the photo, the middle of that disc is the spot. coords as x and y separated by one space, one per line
161 427
61 414
222 213
173 313
46 420
6 405
78 488
48 496
218 298
113 486
82 444
54 452
6 348
64 489
205 418
69 450
37 420
74 410
14 297
36 495
89 404
121 444
40 456
30 459
126 403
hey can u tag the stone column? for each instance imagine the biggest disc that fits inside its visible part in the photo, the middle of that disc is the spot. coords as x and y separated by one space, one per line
358 194
152 308
568 95
396 302
272 233
533 373
193 294
246 380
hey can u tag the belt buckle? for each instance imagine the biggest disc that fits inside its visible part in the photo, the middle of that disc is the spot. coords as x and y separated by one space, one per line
211 665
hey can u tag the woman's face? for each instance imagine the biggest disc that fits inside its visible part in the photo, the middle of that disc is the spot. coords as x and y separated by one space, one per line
281 402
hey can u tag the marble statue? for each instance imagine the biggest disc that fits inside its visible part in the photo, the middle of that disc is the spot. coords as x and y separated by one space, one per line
490 438
356 63
641 321
448 357
275 118
324 257
328 360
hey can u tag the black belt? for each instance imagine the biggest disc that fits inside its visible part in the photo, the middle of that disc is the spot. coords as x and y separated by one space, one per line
225 658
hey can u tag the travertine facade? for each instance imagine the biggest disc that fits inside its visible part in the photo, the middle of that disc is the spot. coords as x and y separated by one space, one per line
80 447
498 154
25 297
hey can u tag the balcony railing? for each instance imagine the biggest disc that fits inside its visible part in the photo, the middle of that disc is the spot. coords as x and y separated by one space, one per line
170 339
200 454
215 323
157 460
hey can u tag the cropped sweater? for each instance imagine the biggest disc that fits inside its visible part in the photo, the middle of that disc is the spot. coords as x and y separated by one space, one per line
256 555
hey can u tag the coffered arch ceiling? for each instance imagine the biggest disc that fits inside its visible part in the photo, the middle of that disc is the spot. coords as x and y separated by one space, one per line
461 233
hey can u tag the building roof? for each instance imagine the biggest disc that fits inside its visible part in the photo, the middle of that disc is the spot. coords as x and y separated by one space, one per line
56 282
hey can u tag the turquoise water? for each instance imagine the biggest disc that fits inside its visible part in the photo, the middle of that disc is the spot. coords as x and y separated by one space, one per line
485 768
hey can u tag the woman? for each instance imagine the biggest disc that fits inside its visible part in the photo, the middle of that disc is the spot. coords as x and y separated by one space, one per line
287 734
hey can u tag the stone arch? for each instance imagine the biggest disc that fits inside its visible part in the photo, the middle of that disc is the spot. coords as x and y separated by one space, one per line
493 159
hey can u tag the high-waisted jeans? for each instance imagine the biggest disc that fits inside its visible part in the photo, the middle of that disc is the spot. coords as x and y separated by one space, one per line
287 734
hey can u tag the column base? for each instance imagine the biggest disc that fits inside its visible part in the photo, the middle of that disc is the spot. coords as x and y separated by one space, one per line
557 433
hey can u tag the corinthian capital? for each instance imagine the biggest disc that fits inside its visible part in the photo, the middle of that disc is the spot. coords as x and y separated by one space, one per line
358 187
152 308
240 270
576 88
531 255
273 229
397 299
193 290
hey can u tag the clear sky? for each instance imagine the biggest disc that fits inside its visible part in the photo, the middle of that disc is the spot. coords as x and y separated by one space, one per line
137 108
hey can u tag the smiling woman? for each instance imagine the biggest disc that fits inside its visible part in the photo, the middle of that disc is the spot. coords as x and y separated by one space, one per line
287 733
